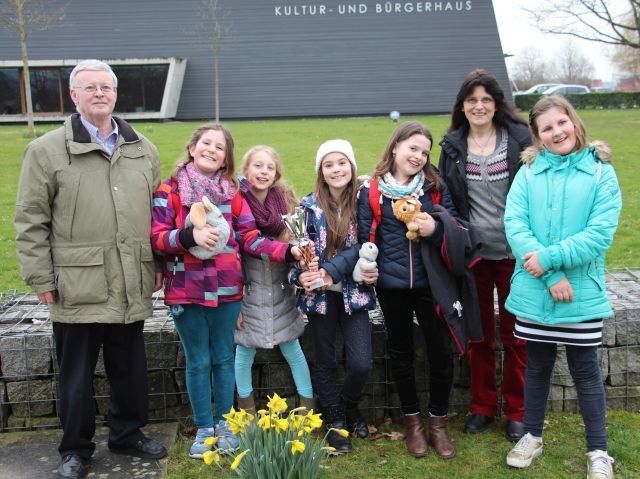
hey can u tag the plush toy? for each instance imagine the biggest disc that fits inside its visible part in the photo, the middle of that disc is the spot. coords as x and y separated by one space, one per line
407 210
366 262
202 213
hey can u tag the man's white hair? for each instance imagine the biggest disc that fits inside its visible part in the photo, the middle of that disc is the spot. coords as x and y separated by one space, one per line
94 66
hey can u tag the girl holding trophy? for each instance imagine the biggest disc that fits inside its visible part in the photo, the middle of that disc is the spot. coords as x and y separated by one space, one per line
328 218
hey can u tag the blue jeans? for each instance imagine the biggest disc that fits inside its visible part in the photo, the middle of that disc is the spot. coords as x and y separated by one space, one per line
207 338
585 371
291 351
356 331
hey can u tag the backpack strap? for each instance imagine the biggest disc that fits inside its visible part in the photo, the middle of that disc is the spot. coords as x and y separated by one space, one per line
236 205
374 203
175 203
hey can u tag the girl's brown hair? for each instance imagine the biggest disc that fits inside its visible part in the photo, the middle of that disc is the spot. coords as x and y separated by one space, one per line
545 104
229 169
340 213
403 132
279 182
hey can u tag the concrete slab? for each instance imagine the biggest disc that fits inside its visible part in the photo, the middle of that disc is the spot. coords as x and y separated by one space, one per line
34 455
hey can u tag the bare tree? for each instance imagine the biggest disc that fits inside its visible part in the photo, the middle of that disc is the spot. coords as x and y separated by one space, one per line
627 60
530 68
212 32
614 22
23 17
572 66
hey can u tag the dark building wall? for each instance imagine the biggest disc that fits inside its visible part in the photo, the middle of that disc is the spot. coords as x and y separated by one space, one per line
370 61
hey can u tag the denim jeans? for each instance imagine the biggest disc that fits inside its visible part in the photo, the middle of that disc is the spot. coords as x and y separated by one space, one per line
585 371
291 351
398 306
356 331
482 354
207 338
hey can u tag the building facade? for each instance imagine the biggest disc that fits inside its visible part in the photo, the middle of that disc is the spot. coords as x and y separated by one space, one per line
277 58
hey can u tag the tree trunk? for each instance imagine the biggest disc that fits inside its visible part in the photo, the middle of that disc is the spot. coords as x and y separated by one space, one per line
25 63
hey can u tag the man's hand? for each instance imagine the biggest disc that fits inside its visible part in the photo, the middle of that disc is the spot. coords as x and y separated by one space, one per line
50 297
158 283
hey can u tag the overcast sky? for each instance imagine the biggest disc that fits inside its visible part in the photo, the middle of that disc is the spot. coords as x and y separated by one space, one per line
517 32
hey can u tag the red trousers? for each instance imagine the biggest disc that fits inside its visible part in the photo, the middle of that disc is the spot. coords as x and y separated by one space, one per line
482 354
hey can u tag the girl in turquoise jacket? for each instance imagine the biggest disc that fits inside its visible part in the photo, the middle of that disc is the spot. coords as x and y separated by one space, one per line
561 214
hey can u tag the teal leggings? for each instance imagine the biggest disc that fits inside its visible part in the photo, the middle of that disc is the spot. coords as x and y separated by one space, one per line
291 351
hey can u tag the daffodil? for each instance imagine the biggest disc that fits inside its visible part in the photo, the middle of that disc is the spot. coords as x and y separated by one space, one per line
281 425
210 456
313 420
210 441
342 432
236 461
277 404
297 446
265 422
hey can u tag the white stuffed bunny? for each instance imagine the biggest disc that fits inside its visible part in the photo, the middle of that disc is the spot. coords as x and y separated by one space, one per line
201 214
366 262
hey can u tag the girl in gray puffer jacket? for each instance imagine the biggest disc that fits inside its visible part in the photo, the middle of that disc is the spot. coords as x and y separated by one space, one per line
269 316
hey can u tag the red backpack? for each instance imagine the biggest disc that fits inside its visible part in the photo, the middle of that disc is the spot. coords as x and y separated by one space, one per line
374 202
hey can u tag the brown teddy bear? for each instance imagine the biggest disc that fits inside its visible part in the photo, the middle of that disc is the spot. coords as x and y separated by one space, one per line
407 210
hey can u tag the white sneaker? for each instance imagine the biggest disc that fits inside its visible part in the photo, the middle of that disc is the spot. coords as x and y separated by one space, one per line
599 465
525 451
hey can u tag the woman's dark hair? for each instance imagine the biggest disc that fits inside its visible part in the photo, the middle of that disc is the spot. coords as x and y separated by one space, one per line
505 111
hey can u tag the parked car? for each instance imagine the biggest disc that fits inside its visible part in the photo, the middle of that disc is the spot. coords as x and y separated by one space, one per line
566 90
537 89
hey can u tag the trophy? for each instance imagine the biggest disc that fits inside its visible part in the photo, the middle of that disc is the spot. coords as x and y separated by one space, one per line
296 225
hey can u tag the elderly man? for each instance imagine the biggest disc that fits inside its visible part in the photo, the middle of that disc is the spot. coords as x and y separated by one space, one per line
83 217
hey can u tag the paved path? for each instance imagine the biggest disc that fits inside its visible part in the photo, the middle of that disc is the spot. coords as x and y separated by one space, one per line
34 455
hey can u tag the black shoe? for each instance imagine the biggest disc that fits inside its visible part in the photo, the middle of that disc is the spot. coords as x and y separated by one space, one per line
342 445
357 424
73 467
145 448
514 431
477 423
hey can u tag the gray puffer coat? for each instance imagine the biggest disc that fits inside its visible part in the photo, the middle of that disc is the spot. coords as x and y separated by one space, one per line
269 306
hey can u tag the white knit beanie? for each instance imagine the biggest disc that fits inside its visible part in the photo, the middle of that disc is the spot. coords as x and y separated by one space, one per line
335 146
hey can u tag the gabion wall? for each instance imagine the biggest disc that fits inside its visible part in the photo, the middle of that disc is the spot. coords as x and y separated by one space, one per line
28 386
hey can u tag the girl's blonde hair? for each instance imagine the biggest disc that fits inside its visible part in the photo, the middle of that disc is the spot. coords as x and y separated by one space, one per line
229 169
279 181
403 132
340 213
545 104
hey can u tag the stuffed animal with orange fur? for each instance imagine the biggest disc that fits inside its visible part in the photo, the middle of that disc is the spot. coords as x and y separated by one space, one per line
407 210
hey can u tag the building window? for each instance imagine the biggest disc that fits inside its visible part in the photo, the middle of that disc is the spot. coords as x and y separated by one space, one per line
9 91
140 87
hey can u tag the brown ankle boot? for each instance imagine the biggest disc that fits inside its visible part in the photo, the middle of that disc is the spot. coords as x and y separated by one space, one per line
416 440
247 404
439 438
308 404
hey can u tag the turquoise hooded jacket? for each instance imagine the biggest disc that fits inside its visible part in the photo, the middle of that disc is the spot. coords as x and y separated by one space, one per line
566 209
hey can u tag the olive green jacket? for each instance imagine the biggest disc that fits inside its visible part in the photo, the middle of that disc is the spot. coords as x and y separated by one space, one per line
83 222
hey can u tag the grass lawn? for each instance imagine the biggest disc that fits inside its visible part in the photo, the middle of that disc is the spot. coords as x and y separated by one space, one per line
480 456
297 141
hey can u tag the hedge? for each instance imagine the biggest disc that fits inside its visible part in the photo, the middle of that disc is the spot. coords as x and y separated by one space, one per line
617 99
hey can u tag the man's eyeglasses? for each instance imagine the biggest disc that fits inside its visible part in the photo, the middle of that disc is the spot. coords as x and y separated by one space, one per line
487 100
95 88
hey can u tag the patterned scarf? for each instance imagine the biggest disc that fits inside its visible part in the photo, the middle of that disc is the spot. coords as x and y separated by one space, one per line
390 187
268 215
193 185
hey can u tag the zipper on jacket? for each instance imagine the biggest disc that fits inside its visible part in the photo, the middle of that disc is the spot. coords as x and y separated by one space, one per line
173 272
410 266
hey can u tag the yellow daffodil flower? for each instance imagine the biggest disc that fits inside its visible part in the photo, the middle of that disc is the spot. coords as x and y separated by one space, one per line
281 425
277 404
342 432
210 456
265 422
236 461
210 441
297 446
313 420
